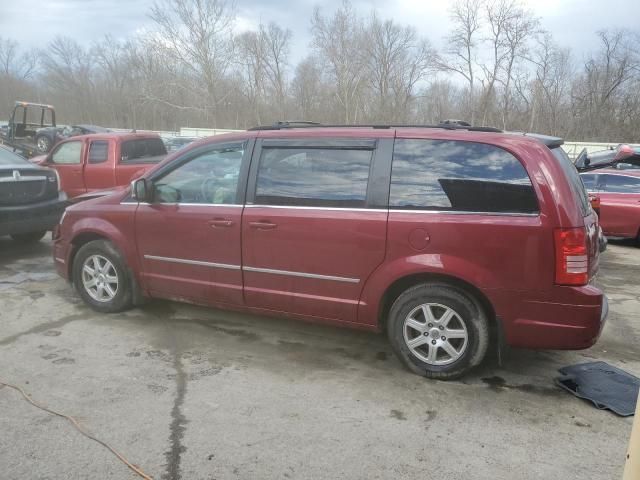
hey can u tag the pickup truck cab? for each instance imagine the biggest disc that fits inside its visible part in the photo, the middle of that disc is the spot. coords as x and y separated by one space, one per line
102 161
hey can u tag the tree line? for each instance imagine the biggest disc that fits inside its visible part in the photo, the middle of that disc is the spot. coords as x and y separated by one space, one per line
498 66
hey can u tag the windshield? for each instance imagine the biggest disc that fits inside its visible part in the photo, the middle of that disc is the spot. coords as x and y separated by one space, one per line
9 158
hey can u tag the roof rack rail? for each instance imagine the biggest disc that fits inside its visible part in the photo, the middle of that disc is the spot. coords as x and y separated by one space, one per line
446 124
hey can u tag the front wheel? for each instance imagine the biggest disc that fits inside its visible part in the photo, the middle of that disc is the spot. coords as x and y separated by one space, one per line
101 277
438 331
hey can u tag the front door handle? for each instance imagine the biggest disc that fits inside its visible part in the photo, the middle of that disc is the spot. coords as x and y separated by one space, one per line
263 225
221 223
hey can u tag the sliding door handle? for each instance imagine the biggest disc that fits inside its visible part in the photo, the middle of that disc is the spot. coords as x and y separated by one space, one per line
263 225
221 223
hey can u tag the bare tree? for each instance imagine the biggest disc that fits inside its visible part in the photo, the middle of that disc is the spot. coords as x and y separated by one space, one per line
519 28
197 36
461 44
338 42
397 60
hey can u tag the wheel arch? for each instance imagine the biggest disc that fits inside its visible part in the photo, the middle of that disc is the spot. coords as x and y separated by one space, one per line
403 283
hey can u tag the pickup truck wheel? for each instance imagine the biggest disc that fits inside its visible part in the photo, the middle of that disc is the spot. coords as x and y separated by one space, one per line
31 237
43 143
438 331
101 277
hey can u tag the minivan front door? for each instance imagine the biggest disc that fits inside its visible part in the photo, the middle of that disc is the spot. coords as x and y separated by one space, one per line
310 240
189 236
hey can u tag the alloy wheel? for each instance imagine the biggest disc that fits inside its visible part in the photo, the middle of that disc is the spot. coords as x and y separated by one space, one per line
99 278
435 333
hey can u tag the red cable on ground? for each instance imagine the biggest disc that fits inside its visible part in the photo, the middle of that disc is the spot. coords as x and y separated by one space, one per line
75 423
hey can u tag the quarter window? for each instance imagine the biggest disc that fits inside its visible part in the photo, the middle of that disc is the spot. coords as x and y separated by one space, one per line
209 178
313 177
142 150
67 153
620 184
458 176
98 151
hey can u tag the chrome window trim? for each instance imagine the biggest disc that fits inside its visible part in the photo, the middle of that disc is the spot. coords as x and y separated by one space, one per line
301 274
193 262
463 212
296 207
185 204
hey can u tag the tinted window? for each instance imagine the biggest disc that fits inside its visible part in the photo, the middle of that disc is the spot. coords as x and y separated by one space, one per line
459 176
10 158
620 184
142 149
98 152
210 178
313 177
67 153
575 182
589 181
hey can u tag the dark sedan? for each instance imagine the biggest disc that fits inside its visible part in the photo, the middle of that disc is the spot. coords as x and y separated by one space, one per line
30 198
49 136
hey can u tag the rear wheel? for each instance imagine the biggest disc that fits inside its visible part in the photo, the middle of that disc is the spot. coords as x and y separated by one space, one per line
438 330
101 277
31 237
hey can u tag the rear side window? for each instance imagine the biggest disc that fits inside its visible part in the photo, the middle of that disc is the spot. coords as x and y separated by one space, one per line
619 184
98 151
575 181
142 149
459 176
313 177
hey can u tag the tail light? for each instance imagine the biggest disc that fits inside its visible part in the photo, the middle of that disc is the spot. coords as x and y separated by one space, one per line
572 257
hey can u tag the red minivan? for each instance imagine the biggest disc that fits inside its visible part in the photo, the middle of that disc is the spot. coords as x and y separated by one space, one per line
450 239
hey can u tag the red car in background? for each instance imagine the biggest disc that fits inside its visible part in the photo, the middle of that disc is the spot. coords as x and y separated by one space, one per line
619 196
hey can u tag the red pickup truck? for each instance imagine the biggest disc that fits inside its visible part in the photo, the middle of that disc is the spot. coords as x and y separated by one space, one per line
102 161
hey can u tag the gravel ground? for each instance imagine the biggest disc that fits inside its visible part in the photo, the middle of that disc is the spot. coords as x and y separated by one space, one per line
191 393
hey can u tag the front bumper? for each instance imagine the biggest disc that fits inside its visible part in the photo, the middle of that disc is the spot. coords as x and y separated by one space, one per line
32 217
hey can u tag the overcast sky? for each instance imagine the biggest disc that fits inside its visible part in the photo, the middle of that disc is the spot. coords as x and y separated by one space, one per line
35 22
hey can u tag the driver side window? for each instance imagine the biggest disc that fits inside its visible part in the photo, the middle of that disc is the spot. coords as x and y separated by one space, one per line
68 153
211 178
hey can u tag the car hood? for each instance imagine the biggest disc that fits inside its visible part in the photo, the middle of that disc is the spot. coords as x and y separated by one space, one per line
98 194
38 159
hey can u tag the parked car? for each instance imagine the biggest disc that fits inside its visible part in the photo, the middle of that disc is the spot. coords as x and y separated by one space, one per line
618 192
30 198
176 143
450 239
623 157
103 161
47 137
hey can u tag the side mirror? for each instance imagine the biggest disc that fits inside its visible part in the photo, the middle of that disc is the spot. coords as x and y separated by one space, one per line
140 190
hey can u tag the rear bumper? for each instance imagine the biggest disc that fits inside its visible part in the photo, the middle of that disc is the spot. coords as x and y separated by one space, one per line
571 318
32 217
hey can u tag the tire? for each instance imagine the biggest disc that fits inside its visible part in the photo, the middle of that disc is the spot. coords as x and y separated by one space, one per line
467 324
31 237
43 143
109 288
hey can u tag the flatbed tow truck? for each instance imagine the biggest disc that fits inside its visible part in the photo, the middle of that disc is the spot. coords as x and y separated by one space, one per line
21 131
